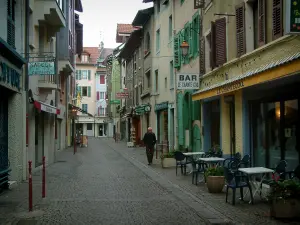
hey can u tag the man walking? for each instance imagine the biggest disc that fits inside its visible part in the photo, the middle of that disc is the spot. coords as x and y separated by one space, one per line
149 141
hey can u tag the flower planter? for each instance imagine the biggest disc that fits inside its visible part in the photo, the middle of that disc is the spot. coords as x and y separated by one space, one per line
285 209
168 162
215 184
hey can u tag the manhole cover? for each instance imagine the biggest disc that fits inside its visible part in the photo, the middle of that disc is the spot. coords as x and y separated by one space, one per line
27 222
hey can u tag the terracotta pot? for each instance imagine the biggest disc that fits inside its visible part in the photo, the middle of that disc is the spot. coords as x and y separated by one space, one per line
215 184
168 162
289 208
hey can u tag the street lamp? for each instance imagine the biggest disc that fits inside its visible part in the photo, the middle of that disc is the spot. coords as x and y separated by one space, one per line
184 48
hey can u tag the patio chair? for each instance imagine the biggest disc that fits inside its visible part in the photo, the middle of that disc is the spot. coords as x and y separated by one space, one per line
234 181
295 173
181 161
198 167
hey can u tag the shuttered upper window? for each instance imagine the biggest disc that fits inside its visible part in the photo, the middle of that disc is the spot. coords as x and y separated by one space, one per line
11 23
240 30
277 19
220 39
261 22
202 56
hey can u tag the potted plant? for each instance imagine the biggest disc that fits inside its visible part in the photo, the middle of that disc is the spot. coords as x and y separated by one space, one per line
284 196
215 179
167 159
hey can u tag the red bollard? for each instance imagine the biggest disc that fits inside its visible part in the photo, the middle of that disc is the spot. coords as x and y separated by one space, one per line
44 178
30 185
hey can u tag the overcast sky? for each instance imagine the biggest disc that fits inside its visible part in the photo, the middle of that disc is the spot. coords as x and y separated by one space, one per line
102 16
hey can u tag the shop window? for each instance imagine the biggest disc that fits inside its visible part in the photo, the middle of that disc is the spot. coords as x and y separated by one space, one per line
89 126
84 91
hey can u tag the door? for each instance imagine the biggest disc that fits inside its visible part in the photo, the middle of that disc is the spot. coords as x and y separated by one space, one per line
59 134
196 139
3 134
230 100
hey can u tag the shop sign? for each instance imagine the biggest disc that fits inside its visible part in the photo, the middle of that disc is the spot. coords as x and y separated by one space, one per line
122 95
161 106
187 81
292 16
48 109
116 101
230 87
41 68
140 110
9 75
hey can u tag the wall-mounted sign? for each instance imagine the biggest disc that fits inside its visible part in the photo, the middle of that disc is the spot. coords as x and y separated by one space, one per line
41 68
141 109
187 81
230 87
292 19
161 106
116 101
121 95
9 75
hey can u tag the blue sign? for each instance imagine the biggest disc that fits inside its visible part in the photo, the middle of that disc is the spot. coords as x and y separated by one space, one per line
41 68
9 75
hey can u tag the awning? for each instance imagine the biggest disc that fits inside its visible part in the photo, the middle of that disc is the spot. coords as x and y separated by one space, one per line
285 66
41 106
71 106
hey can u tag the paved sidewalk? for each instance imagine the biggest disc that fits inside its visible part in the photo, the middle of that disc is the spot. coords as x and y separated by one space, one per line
241 213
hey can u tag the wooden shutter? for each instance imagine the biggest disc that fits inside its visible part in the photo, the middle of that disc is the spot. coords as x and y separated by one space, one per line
176 51
187 39
261 22
102 79
277 19
79 75
196 110
89 91
240 29
180 119
220 41
89 75
97 95
213 45
202 56
191 32
181 38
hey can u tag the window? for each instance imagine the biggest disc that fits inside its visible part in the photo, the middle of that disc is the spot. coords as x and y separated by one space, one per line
277 19
84 74
78 74
158 6
156 81
86 91
240 30
134 62
148 78
102 79
85 107
171 75
98 95
166 82
136 95
11 22
102 95
170 27
101 111
218 40
157 40
147 43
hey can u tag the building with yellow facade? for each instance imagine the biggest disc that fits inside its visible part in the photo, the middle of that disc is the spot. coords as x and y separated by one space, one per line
249 92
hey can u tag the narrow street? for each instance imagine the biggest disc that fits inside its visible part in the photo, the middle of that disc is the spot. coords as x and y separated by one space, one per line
99 185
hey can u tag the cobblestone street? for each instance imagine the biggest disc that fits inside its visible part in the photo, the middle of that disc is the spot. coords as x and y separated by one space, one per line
97 186
108 183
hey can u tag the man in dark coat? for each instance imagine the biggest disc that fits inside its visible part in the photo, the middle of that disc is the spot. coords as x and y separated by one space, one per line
149 141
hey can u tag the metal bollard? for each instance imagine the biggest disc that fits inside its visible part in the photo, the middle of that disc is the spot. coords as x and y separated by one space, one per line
44 178
30 185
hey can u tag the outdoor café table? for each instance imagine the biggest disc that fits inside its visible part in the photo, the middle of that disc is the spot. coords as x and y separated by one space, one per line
256 171
190 155
211 160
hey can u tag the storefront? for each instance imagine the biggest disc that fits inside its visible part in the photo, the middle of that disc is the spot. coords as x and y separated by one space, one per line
258 108
144 111
12 112
162 122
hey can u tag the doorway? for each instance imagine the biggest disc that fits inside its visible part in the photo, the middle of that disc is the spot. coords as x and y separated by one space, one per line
101 130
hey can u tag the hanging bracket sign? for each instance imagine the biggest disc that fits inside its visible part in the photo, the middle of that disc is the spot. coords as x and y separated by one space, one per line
41 68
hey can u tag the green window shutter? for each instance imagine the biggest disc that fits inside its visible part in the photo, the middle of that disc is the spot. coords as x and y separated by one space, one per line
196 27
176 51
76 75
182 35
187 39
11 39
89 74
80 89
89 91
190 41
180 119
196 110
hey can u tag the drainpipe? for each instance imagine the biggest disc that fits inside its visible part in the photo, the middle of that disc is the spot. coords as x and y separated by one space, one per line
56 93
175 85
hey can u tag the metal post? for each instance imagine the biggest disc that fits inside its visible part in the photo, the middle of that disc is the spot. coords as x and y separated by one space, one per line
44 178
30 185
